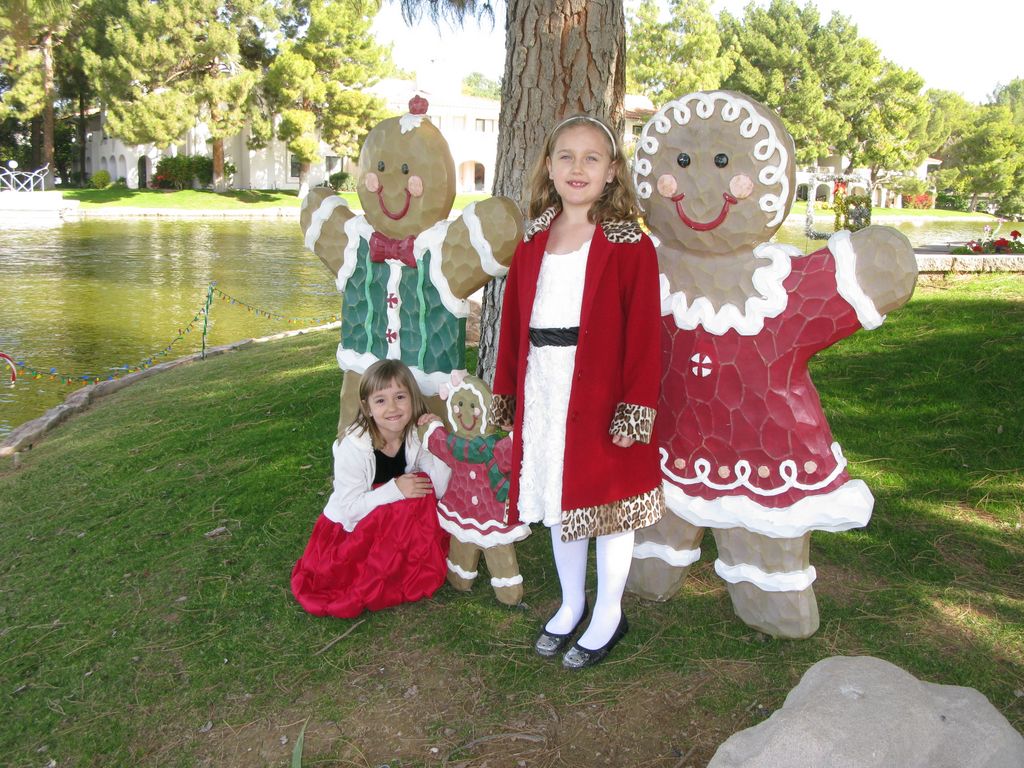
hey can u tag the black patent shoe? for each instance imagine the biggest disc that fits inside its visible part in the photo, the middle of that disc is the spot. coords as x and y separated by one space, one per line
550 644
579 657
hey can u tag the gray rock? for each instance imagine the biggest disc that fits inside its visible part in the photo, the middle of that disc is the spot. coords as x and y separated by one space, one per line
862 712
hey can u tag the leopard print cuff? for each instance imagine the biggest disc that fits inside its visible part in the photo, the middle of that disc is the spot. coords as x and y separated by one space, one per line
503 410
636 421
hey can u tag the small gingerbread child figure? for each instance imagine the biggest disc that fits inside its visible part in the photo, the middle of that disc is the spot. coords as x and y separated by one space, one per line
404 270
474 509
745 447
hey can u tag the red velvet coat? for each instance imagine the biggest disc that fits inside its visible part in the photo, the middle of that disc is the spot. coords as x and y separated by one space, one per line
617 371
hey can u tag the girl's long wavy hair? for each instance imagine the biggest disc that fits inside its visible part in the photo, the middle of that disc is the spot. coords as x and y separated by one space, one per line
617 202
378 376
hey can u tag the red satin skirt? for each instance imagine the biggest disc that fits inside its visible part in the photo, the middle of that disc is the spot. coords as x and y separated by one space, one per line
396 554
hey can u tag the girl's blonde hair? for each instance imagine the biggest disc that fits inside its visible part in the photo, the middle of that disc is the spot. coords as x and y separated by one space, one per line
617 201
383 374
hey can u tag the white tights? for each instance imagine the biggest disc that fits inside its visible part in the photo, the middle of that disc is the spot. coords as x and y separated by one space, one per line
614 556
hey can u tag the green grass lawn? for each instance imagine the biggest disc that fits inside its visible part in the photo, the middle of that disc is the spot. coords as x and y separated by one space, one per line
186 199
131 638
199 200
800 209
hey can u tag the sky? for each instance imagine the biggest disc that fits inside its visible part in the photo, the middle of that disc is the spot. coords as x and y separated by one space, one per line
967 47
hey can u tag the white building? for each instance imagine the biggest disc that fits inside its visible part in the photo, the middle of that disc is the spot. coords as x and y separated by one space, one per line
818 181
470 125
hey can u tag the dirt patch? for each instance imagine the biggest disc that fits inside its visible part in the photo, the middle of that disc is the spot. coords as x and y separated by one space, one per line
407 709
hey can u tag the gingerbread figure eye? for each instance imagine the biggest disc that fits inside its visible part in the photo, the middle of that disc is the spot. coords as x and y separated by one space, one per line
380 165
721 160
683 160
405 168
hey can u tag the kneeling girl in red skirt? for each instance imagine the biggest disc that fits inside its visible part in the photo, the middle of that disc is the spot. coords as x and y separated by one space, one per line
378 542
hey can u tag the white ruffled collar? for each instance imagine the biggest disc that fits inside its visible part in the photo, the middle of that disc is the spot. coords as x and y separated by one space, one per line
747 320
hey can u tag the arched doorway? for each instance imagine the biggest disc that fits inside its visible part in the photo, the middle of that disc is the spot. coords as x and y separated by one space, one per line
143 172
478 177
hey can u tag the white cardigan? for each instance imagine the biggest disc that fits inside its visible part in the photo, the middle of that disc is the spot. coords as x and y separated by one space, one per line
354 496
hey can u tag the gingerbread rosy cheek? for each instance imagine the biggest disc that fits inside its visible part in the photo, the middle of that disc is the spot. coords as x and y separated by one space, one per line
741 186
415 186
667 185
372 182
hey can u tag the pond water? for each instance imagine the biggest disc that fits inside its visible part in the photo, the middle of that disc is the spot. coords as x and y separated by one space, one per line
89 298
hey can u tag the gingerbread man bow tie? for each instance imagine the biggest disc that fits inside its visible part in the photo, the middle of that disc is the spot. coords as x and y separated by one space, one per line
383 248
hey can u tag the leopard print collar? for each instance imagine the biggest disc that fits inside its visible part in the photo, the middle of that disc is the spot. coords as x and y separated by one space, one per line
624 231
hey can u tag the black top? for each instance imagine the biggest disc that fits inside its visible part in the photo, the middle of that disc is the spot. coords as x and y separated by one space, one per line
388 467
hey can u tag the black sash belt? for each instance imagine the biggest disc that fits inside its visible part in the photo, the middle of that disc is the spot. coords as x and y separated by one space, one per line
554 337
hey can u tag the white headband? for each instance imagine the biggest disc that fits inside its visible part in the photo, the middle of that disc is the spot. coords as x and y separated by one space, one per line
595 121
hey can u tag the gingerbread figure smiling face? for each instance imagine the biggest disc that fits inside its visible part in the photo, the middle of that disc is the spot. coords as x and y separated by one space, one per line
406 174
404 270
745 447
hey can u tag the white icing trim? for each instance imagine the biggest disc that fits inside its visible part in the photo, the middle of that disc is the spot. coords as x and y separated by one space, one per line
846 281
358 362
777 581
479 242
394 318
771 300
509 582
433 240
732 108
787 470
408 121
356 229
320 216
676 557
848 506
479 396
470 531
467 575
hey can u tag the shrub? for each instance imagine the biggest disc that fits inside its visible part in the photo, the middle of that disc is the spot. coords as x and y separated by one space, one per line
919 202
951 200
202 169
99 180
338 180
174 172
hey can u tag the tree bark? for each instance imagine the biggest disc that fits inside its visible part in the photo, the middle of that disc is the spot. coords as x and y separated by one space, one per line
561 58
219 184
82 121
48 97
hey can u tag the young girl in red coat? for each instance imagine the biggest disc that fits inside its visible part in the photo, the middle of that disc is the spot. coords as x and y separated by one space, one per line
378 542
578 370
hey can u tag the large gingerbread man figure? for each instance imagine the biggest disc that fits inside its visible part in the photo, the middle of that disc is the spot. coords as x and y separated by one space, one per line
745 447
404 270
474 508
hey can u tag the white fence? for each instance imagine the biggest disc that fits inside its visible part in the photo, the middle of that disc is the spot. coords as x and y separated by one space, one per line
23 181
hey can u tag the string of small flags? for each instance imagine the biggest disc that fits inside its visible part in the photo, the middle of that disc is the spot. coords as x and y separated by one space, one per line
258 312
29 372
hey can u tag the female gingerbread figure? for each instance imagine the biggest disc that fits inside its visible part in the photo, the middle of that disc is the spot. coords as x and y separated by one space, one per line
474 508
403 269
745 447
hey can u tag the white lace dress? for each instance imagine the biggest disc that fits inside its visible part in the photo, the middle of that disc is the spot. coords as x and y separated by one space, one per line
548 382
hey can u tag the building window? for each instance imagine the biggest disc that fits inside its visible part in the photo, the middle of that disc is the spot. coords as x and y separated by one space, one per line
484 126
637 129
296 168
332 164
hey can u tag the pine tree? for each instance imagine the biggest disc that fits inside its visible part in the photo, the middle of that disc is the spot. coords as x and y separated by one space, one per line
160 67
317 82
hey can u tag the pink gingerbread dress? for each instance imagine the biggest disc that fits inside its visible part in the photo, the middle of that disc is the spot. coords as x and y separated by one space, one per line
744 440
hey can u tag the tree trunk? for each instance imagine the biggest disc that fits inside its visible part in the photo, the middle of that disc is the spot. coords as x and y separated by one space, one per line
219 183
82 122
561 58
48 97
303 179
